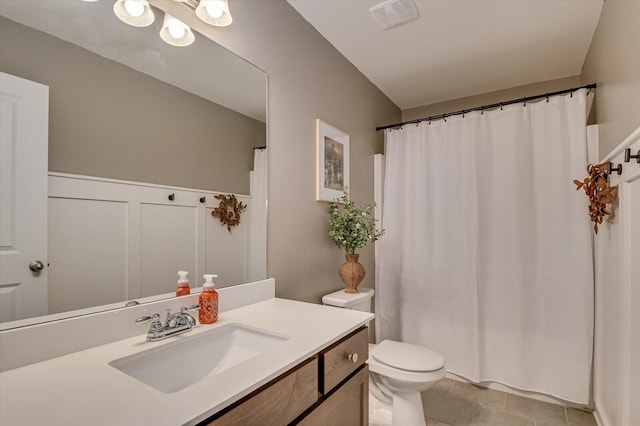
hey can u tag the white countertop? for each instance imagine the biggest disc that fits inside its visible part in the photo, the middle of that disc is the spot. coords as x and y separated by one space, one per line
82 388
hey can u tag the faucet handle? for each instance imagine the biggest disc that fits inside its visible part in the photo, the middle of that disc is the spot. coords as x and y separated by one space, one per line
189 308
144 319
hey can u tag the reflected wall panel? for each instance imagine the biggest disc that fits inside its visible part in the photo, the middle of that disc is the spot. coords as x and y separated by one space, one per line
87 253
168 243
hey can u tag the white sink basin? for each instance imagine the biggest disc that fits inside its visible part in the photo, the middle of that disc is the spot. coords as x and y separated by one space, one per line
190 358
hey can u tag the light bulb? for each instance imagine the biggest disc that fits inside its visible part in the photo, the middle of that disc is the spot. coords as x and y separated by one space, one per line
215 9
134 8
176 30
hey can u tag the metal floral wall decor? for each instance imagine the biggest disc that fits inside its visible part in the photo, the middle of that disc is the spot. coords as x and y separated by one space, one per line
228 211
599 192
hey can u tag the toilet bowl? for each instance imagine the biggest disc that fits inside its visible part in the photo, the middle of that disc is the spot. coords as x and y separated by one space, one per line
398 372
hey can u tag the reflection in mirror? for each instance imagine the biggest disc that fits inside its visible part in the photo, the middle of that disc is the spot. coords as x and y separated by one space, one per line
141 137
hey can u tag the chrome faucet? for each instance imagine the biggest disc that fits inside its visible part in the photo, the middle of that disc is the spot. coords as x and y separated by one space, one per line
174 324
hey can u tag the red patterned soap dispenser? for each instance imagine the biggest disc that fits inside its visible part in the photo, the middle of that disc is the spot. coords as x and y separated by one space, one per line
208 313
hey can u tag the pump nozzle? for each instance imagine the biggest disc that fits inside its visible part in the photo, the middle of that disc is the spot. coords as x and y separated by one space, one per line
208 278
182 275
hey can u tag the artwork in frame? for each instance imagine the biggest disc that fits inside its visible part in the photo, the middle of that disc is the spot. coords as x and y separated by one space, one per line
332 161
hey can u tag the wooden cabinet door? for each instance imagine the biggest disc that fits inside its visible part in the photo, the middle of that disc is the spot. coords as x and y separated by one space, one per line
347 406
279 402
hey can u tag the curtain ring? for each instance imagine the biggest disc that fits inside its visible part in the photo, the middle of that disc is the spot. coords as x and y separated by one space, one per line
482 111
501 106
525 102
429 121
571 93
444 117
547 98
462 113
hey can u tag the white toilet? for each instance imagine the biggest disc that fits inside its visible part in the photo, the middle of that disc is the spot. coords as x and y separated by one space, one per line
398 371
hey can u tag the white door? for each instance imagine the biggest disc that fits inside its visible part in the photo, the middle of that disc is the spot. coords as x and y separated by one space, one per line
24 118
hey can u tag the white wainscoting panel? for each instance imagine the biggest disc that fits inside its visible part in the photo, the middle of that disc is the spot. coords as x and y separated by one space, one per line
168 240
225 255
126 240
87 253
617 332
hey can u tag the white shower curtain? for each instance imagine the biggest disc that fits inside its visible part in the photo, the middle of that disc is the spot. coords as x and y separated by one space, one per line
487 257
257 235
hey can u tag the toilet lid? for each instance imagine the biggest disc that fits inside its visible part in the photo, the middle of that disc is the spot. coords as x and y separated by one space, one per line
406 356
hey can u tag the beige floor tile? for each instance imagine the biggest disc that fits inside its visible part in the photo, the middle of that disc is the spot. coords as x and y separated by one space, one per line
447 407
580 418
480 395
434 422
482 415
539 411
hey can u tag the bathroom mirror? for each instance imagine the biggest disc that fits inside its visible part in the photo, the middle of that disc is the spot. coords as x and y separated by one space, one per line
130 112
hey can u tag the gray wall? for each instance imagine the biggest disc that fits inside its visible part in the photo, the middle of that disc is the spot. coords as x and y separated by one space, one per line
613 62
491 97
308 79
111 121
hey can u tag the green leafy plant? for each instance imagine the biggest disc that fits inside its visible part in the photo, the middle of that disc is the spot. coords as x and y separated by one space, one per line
352 227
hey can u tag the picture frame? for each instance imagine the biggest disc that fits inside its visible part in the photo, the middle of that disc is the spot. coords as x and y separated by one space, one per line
332 161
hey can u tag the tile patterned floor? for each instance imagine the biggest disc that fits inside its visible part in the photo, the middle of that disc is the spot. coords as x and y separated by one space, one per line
454 403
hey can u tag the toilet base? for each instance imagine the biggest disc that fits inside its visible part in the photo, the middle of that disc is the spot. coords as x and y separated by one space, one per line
405 410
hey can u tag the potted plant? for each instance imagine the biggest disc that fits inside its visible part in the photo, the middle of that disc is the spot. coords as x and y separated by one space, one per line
351 228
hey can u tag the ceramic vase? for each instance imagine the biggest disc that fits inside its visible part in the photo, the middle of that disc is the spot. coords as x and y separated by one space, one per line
352 273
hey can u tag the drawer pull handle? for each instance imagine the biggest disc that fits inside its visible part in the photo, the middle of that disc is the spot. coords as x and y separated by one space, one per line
353 357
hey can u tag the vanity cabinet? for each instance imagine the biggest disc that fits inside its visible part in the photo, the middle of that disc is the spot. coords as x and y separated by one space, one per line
330 388
278 402
347 406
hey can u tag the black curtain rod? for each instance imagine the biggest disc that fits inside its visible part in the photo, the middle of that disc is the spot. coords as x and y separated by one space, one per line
259 147
484 107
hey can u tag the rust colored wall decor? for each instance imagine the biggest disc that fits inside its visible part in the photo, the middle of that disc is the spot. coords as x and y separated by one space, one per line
597 188
228 211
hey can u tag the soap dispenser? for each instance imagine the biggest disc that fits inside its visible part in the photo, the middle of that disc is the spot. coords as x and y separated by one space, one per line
182 289
208 313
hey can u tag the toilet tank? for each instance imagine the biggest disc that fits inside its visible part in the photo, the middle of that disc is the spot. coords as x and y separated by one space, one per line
359 301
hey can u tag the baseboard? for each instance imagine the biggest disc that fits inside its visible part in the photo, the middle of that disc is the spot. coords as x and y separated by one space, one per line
601 418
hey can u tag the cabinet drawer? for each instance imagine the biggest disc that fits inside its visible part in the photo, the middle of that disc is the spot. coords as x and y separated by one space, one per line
278 402
335 361
347 406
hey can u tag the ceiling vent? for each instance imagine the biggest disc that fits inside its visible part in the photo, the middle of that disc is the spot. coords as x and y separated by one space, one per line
391 13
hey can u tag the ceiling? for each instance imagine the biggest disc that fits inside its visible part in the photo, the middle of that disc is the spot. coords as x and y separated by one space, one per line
459 48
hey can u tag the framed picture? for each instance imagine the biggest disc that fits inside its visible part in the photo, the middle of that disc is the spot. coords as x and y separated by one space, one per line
332 161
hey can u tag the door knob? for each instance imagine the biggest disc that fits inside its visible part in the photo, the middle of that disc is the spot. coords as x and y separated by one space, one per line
36 266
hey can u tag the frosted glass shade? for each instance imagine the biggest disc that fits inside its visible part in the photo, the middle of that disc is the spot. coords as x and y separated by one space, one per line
176 32
136 13
214 12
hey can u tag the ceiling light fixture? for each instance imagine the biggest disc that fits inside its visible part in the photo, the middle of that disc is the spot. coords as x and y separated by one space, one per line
175 32
214 12
137 13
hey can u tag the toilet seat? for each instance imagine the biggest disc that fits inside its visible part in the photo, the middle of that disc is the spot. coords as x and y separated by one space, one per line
407 357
